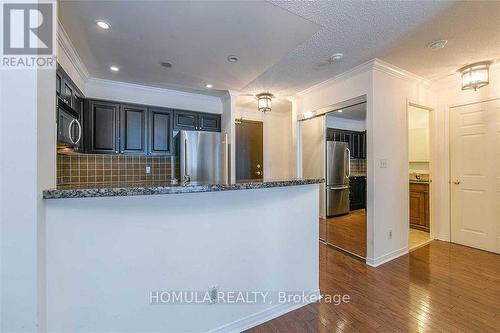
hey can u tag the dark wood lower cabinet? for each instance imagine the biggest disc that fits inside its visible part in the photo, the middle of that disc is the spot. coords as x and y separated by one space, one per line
357 192
419 206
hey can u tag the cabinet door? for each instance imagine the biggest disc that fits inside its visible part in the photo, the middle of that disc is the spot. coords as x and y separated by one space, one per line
209 122
160 131
355 145
133 129
102 127
68 93
58 84
185 120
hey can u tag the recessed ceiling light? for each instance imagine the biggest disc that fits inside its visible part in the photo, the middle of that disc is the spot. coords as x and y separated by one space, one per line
166 64
340 111
103 25
232 58
438 44
209 85
114 68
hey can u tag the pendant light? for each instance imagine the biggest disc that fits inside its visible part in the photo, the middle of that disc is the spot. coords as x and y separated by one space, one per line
264 102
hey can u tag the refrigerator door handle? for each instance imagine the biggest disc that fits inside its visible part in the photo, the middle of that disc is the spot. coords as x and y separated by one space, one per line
333 188
348 162
186 178
226 158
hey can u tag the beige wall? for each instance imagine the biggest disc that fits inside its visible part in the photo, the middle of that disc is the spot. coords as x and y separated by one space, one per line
277 134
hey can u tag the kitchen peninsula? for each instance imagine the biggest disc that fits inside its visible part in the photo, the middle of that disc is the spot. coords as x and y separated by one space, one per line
108 248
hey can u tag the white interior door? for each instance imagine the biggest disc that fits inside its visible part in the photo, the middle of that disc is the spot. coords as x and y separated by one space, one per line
475 175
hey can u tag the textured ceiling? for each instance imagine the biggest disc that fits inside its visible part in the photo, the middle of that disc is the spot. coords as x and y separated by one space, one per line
196 37
293 37
355 112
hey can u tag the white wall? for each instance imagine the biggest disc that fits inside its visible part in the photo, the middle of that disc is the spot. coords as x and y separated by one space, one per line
447 92
277 137
100 270
27 166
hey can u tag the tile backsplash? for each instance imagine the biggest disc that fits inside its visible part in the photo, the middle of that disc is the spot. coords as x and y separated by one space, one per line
358 167
81 169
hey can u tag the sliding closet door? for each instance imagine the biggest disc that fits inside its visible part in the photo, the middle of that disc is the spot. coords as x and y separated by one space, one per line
313 153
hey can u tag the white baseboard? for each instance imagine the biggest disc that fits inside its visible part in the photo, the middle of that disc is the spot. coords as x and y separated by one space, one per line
263 316
374 262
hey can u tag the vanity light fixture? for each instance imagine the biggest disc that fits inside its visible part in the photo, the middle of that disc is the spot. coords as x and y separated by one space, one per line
476 75
264 102
114 68
103 25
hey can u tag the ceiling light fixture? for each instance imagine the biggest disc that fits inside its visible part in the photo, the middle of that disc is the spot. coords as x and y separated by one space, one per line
209 85
166 64
114 68
336 57
233 58
438 44
476 75
340 111
103 25
264 102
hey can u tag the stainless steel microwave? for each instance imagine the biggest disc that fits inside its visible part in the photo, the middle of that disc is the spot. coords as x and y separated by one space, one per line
69 127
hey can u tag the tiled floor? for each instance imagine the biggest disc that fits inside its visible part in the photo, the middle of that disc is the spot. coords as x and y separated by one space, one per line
418 237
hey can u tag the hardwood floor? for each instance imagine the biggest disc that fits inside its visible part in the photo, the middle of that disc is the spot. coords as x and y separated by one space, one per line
440 287
348 232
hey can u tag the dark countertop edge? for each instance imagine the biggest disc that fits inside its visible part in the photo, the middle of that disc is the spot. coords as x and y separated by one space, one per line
425 182
158 190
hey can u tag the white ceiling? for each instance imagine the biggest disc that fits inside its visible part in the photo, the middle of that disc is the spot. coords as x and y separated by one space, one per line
355 112
279 43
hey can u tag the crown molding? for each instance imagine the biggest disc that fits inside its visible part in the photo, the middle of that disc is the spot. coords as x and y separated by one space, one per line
121 84
69 49
374 64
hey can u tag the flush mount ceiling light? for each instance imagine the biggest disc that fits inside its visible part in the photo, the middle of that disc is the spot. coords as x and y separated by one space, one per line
476 75
103 25
336 57
438 44
114 68
209 85
264 102
233 58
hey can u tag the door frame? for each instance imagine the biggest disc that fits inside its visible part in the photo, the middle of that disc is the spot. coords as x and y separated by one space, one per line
432 188
238 121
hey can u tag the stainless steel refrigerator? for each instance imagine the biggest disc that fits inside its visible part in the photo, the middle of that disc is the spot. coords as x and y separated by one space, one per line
338 171
203 157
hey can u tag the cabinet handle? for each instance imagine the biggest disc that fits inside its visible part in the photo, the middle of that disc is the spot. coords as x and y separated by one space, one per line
69 131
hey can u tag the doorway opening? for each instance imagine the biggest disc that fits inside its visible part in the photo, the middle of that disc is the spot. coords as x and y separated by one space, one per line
249 150
419 175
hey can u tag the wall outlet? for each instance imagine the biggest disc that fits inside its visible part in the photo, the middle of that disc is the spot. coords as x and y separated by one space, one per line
389 235
213 292
148 169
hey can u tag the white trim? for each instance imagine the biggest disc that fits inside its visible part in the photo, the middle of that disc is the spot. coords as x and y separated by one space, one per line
374 64
474 101
69 49
151 88
374 262
260 317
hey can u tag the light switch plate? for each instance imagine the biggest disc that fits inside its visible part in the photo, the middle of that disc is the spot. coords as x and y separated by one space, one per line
382 163
148 169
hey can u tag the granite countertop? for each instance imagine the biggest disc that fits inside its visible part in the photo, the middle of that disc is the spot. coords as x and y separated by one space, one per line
113 190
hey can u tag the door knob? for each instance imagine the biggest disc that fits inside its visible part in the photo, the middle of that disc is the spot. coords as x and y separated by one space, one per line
456 182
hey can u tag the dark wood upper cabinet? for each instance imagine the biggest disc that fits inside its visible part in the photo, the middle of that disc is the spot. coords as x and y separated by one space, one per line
209 122
185 120
356 141
160 131
102 127
133 129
